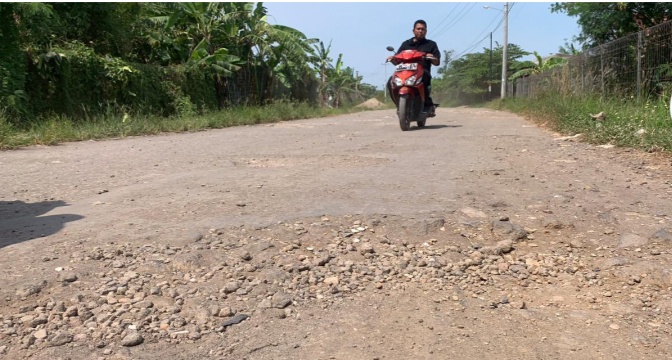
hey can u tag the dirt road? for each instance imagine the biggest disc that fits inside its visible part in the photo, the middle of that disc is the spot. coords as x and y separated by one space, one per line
479 236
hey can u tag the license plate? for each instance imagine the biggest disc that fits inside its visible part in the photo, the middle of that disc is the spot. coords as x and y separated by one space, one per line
402 67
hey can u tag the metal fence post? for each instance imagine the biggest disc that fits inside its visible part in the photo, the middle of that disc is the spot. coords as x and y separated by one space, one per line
639 66
584 59
602 69
569 79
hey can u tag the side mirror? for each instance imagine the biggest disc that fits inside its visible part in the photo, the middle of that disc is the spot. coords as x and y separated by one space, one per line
389 48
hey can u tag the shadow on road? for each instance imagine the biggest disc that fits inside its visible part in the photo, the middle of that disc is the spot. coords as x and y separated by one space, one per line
21 221
435 127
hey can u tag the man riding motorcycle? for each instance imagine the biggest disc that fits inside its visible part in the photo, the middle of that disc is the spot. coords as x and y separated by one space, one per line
419 43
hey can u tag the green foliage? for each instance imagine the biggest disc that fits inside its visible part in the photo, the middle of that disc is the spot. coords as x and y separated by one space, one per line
34 22
83 60
274 51
108 28
7 131
445 62
322 61
629 124
184 107
75 81
194 28
12 63
568 49
528 68
603 22
466 79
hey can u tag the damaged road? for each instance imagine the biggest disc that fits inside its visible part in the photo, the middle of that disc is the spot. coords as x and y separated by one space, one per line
481 235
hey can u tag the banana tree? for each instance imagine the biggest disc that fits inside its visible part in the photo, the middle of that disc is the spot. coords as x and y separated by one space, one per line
542 65
322 63
190 30
196 34
266 46
342 81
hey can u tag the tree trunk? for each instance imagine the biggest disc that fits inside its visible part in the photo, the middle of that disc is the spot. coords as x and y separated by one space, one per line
221 91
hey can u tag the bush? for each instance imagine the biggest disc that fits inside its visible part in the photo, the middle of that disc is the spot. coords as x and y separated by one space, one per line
12 64
5 126
73 80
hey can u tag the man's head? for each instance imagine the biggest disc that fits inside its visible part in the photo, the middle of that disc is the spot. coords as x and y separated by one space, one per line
420 29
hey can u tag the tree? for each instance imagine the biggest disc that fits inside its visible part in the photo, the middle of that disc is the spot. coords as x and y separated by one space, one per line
268 47
198 34
195 26
57 56
343 82
447 58
467 78
528 68
604 22
322 63
109 28
16 34
568 49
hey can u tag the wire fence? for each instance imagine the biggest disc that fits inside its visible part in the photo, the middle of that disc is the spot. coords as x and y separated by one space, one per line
637 66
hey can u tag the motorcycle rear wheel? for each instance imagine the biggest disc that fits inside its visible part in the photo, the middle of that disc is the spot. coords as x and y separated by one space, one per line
402 111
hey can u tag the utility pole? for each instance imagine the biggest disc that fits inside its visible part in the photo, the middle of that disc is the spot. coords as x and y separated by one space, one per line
356 80
504 55
505 47
490 78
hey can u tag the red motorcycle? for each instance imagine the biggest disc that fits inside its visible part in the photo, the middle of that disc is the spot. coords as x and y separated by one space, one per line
407 89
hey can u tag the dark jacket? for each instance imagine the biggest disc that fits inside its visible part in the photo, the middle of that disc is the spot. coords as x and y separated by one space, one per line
424 45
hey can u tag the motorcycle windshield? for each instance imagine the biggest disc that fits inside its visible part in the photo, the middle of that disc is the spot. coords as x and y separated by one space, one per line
410 55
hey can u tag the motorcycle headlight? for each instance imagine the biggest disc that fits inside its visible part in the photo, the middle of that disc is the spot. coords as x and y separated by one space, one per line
411 80
397 81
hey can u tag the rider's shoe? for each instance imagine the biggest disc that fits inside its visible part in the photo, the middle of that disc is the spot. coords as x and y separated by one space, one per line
430 111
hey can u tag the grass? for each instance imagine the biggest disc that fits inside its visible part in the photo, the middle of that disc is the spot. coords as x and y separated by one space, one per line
646 125
58 129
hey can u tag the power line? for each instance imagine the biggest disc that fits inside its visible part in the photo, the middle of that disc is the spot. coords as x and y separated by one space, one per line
459 17
457 20
502 21
446 17
484 30
498 25
439 28
473 46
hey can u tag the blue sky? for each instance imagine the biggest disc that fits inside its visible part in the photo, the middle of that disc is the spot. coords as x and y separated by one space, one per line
362 30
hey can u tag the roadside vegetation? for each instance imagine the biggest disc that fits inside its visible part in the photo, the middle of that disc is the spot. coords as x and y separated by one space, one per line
59 129
609 112
645 126
78 71
615 116
71 72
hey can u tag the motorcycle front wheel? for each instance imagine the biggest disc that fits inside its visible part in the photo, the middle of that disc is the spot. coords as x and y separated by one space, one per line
402 111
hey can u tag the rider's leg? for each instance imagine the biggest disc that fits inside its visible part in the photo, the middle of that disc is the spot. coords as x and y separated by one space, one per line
389 91
429 107
427 80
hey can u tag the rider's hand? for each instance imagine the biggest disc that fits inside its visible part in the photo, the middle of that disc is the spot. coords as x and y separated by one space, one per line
390 59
